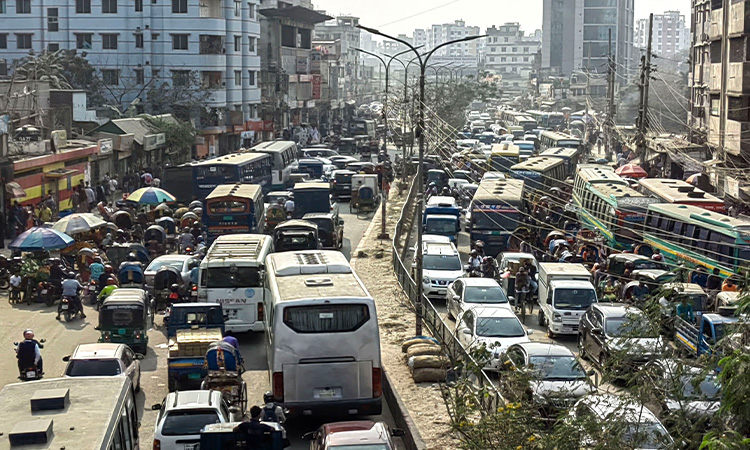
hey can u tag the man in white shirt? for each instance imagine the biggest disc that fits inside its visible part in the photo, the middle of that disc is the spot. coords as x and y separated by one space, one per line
90 196
289 207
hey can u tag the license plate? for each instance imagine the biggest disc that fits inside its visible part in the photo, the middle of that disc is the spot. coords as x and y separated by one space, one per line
44 291
92 288
192 446
194 376
194 294
441 291
121 331
64 306
30 374
328 393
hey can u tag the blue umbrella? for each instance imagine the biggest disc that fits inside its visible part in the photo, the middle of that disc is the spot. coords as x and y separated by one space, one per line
37 238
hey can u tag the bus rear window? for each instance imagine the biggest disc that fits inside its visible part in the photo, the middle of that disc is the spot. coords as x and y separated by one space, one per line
227 206
326 318
232 277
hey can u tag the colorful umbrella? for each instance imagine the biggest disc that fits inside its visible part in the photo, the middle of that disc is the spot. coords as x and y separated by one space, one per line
78 223
36 239
631 170
151 196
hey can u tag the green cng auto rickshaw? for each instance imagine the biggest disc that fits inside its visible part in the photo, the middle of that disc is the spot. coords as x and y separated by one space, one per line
123 319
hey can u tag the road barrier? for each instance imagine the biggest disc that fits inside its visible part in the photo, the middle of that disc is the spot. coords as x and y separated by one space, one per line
430 315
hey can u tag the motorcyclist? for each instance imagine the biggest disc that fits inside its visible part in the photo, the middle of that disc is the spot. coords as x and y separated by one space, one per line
489 268
186 240
111 286
56 272
271 411
522 284
475 262
96 268
479 246
71 288
174 294
104 277
196 231
28 353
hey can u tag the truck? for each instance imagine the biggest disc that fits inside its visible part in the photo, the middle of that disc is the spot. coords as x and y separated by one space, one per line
191 328
565 293
312 197
701 338
442 217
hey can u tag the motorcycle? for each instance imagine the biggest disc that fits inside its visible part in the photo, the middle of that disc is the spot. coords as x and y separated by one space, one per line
4 278
68 308
49 292
32 372
93 292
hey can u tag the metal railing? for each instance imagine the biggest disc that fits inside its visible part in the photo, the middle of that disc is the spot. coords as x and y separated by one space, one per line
431 316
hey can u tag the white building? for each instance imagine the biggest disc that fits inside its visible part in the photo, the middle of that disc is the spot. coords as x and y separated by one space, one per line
511 54
462 53
670 34
137 44
421 37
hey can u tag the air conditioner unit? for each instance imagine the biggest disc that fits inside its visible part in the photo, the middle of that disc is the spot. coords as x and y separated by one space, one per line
148 26
148 62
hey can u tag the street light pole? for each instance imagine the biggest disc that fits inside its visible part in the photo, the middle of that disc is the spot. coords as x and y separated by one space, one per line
420 169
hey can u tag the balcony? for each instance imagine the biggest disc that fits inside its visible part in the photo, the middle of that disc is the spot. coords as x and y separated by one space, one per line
733 142
212 80
211 45
739 23
211 8
714 80
717 24
738 78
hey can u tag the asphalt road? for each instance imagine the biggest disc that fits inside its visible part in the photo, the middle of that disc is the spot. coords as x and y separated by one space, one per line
62 338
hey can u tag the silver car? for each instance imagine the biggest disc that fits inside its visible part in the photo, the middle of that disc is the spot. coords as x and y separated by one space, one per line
183 263
102 360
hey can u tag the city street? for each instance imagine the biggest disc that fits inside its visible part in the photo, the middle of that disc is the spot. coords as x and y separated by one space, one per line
62 338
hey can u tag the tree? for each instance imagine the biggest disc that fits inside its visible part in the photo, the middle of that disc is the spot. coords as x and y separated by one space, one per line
449 99
185 97
179 135
47 66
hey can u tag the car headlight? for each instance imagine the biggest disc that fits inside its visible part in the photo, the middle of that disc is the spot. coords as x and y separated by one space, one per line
425 280
556 317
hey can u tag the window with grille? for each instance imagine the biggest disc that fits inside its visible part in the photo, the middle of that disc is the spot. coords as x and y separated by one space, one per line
52 23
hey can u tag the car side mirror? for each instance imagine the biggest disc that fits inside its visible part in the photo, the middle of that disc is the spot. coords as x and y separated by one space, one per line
466 331
529 332
309 436
341 221
397 432
97 328
66 358
456 298
156 407
235 410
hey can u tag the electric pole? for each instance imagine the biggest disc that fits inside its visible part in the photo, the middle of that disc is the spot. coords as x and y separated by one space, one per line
609 126
644 85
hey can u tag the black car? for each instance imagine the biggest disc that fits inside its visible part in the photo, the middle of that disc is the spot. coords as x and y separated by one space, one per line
342 184
617 330
330 229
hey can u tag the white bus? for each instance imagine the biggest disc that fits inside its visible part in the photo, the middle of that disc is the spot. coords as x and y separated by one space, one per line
232 274
82 413
323 344
283 154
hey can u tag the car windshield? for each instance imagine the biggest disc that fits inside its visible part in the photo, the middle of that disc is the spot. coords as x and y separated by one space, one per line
93 368
439 226
180 423
485 294
557 368
578 299
643 264
647 435
637 327
159 263
500 327
441 262
700 388
361 447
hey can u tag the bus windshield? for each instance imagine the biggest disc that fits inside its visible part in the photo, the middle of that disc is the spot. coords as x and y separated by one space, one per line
232 277
502 221
227 206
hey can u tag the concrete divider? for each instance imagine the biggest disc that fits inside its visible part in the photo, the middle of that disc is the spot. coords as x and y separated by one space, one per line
412 438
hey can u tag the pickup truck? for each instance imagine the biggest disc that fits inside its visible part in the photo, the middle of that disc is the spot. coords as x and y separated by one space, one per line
701 338
191 329
565 293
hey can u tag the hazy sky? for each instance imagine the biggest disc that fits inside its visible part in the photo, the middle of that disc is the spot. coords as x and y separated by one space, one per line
403 16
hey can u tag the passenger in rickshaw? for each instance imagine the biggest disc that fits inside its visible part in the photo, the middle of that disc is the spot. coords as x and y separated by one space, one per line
609 290
589 254
108 240
137 233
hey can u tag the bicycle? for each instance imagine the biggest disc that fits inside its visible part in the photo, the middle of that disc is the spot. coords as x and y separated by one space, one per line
522 298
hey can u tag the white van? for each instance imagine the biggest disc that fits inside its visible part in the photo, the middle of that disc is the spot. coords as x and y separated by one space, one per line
565 293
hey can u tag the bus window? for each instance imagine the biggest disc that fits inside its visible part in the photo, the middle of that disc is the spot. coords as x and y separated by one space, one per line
326 318
125 429
227 206
703 236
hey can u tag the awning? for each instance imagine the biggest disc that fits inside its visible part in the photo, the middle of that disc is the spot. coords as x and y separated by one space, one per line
15 189
59 173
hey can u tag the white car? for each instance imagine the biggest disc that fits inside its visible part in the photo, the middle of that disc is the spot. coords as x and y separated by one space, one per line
441 266
469 293
642 429
183 414
183 263
495 328
104 360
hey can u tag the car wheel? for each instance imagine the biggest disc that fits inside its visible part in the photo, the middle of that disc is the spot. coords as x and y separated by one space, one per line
550 334
582 346
541 317
138 386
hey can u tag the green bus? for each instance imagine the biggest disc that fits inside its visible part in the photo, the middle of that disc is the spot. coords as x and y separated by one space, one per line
606 203
697 237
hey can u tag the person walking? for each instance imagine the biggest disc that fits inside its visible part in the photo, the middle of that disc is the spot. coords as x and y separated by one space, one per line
90 197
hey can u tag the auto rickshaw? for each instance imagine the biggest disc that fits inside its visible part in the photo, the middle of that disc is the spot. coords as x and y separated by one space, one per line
164 278
123 319
118 253
188 219
162 210
123 220
275 214
360 180
155 238
347 146
131 276
170 227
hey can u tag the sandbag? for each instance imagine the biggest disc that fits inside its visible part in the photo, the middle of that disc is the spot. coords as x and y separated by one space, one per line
427 362
429 375
417 340
424 349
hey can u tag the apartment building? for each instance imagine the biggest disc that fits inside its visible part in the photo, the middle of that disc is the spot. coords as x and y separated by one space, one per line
670 34
510 53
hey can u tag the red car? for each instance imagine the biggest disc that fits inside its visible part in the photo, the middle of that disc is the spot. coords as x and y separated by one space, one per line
359 434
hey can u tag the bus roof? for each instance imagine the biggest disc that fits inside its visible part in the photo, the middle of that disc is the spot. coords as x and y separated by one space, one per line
621 192
560 152
80 422
496 191
232 159
677 191
599 173
311 186
538 164
272 146
238 246
699 216
241 190
559 136
505 149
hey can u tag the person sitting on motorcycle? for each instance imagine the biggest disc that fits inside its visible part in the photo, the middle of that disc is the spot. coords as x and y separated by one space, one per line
120 237
479 246
174 294
96 268
186 240
475 262
111 286
522 284
56 273
29 354
108 274
71 288
271 411
489 268
196 231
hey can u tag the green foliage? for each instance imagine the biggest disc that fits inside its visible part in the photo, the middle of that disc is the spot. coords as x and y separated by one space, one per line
179 135
47 66
449 99
184 101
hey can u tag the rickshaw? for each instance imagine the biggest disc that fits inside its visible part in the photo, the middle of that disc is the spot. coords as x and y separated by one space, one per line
224 373
164 278
195 204
188 219
131 276
123 220
162 210
362 180
118 253
275 214
365 200
155 238
123 319
295 234
170 227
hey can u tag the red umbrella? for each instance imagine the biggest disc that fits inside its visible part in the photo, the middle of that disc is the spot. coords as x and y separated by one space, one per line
631 170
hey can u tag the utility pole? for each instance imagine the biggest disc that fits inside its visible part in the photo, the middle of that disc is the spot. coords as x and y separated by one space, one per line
645 79
610 124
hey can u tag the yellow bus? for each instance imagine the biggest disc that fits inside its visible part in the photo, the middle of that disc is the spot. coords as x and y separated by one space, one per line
504 156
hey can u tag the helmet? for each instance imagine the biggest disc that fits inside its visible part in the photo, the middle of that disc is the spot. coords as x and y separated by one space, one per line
186 230
28 334
174 287
479 244
132 257
119 232
268 397
432 183
111 282
474 252
71 275
108 269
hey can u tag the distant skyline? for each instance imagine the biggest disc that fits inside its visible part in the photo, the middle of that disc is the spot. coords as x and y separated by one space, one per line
400 16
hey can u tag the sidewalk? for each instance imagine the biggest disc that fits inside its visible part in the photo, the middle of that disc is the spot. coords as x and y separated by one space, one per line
372 262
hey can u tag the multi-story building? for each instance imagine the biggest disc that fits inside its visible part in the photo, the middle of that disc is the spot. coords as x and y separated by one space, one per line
670 35
420 37
466 53
289 87
575 35
508 52
138 45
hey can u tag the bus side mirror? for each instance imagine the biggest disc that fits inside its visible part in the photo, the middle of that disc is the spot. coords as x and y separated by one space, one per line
309 436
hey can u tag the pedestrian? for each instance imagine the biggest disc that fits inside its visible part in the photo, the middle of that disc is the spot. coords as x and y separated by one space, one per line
45 214
147 178
90 197
112 187
50 202
75 199
101 193
3 224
